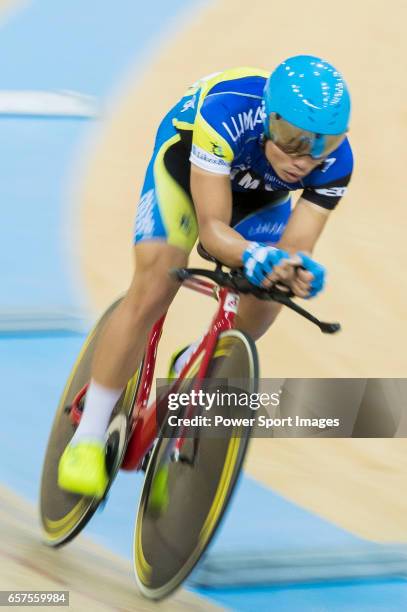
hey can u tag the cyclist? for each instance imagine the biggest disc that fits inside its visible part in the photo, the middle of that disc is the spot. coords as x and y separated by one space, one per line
225 161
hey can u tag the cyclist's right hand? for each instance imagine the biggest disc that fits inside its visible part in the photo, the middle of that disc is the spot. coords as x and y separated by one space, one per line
259 260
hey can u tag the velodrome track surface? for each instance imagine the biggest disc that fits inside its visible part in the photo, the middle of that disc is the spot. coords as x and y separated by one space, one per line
337 479
95 578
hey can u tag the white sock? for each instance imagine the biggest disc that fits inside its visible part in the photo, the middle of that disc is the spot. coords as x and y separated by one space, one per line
99 404
185 356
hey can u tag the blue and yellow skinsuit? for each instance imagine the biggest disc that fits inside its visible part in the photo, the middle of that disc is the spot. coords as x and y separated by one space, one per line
218 126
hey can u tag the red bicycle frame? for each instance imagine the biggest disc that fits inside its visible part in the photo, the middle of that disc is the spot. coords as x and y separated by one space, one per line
144 421
144 428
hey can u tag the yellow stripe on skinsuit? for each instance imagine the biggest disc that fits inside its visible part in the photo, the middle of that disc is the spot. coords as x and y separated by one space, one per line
205 137
176 208
182 125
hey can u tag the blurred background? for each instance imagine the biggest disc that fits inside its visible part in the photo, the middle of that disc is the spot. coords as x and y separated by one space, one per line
83 89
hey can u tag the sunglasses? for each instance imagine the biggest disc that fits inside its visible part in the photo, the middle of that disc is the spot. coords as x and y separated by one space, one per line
295 141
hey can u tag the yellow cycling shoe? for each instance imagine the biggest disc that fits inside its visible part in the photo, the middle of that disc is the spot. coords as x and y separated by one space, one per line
82 469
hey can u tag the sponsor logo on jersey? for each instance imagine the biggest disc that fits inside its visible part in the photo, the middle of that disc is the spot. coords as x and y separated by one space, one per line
249 182
245 178
243 122
217 149
274 229
207 158
336 192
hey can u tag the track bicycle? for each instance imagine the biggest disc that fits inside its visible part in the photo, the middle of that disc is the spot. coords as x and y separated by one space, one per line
189 477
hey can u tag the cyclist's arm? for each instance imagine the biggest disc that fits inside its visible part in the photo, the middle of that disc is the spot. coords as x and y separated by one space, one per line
301 234
324 188
304 227
212 195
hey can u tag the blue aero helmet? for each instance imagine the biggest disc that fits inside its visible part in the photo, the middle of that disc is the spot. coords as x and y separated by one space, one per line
307 106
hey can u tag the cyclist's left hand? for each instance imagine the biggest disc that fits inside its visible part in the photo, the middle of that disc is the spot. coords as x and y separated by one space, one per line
309 279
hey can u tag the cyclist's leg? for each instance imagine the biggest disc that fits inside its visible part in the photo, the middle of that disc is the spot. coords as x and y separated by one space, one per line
166 230
255 316
151 292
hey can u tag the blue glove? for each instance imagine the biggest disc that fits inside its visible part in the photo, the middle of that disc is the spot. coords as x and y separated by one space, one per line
318 272
259 260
